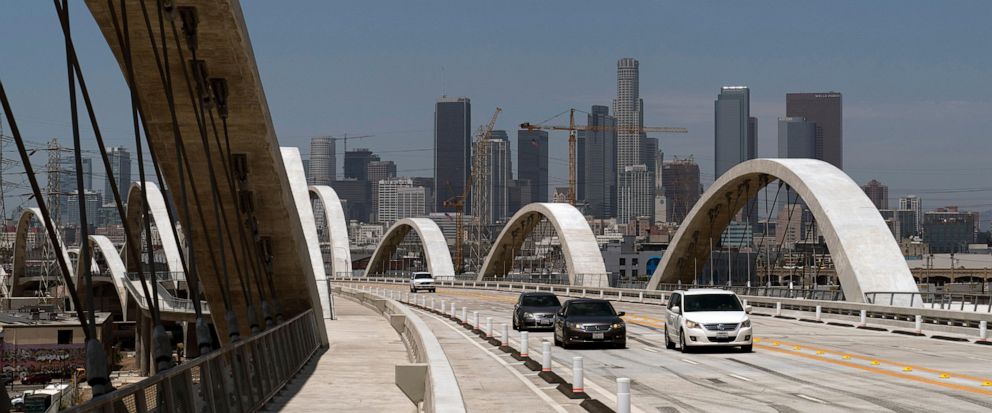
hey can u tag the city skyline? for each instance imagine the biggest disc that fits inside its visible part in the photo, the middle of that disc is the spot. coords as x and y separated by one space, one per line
881 116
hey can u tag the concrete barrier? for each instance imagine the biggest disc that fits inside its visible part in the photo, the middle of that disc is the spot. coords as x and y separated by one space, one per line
429 379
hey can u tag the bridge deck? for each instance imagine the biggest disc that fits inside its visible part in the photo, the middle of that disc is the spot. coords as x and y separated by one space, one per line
356 374
785 372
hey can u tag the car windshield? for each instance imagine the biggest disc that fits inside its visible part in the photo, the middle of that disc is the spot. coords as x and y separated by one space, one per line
712 302
420 276
591 308
540 301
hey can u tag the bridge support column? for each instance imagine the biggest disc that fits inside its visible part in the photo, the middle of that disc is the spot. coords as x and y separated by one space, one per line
191 348
143 344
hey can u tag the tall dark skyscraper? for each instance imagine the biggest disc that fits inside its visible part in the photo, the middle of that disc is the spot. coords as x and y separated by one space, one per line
120 164
597 164
826 111
735 132
356 163
680 177
452 150
532 162
796 138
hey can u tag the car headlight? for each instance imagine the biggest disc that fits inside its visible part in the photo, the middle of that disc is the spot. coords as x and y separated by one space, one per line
616 326
571 324
528 316
691 324
746 323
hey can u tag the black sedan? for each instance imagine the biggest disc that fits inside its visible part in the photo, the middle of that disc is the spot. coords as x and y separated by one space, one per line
535 310
590 321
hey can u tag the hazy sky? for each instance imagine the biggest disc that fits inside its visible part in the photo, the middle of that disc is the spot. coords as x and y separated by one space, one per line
915 74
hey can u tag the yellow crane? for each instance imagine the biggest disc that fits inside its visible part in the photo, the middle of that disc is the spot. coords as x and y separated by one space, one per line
572 129
457 202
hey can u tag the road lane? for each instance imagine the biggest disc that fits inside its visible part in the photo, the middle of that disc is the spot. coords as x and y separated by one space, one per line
773 378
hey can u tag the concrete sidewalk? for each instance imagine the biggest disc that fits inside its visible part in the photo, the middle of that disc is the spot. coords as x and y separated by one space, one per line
357 372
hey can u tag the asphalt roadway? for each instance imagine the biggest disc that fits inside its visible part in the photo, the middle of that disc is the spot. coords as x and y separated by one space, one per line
796 366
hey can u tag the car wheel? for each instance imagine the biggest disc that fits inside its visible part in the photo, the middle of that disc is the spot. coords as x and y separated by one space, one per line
747 349
621 345
433 290
516 327
682 346
669 344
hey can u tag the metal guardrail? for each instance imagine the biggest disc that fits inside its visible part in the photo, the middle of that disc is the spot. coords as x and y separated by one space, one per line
172 303
969 321
935 300
239 377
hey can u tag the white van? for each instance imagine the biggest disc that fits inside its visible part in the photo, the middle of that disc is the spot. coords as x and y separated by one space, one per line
707 317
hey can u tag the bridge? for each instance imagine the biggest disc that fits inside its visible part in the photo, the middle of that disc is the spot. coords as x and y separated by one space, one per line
283 324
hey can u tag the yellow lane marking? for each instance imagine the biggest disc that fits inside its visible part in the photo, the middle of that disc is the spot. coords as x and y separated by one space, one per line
876 361
884 372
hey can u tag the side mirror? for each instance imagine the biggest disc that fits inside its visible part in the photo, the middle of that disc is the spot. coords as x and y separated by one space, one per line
621 314
747 309
677 310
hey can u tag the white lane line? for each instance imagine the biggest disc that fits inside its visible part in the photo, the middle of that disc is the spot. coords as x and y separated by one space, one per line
689 361
812 399
740 377
547 399
650 349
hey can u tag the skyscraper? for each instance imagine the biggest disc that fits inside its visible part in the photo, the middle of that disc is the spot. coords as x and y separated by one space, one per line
628 108
914 203
452 150
826 111
638 199
734 130
680 177
877 193
323 160
598 163
356 163
120 164
500 176
390 198
378 171
796 138
532 162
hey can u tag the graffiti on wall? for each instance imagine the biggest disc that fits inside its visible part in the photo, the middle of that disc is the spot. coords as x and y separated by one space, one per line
41 358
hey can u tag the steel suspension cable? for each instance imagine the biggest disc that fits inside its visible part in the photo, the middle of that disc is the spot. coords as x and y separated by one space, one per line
106 160
768 217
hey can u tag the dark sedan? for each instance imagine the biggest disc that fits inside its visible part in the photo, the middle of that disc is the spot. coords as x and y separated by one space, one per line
535 310
590 321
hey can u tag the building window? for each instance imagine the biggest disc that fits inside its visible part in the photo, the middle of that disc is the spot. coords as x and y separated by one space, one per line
623 273
633 261
623 261
65 336
633 272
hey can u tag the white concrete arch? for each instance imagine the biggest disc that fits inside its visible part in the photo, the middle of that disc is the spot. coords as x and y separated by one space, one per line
578 243
312 257
158 210
431 238
118 271
337 228
863 250
20 249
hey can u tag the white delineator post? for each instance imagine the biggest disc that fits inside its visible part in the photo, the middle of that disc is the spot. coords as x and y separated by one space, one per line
505 338
475 319
578 385
433 307
983 331
623 395
918 324
489 327
452 310
464 314
778 309
819 311
864 318
523 344
546 356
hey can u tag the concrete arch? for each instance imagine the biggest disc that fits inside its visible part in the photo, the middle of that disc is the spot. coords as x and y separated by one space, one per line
864 252
431 238
116 267
337 228
158 210
20 249
578 244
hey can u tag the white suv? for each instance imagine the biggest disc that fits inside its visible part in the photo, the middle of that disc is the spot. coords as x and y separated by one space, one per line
707 317
421 281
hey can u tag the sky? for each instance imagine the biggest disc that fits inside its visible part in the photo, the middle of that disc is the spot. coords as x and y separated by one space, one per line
915 75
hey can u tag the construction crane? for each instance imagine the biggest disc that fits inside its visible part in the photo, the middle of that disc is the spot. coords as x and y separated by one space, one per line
572 129
457 202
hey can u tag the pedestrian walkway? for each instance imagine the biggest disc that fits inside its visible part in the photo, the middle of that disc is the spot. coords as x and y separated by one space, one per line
357 372
486 380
